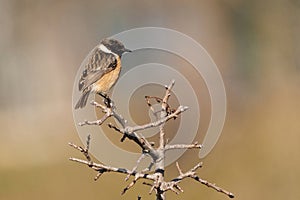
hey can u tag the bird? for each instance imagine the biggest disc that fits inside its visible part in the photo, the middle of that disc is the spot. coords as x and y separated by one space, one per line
101 71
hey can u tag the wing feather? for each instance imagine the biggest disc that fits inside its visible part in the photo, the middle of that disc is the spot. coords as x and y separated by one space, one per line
99 63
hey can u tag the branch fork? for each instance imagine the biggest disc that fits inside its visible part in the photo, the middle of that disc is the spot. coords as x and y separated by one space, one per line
153 179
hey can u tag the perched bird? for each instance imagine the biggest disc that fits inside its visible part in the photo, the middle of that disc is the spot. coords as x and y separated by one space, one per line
101 71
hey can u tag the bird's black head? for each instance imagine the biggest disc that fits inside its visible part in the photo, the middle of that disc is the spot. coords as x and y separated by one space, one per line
114 46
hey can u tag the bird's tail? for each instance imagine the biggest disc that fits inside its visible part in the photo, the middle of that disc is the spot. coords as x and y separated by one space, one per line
83 99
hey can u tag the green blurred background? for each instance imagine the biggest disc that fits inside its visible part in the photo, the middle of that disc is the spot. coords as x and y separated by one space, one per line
255 44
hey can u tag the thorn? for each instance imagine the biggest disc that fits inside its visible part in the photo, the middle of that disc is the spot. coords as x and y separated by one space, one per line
183 108
123 138
231 195
97 176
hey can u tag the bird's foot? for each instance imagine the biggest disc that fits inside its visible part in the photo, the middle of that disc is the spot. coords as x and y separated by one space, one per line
107 101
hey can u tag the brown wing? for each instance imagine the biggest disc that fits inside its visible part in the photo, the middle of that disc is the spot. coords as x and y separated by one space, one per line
99 63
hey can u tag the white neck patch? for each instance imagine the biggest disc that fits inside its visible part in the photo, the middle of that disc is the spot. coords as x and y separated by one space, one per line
105 49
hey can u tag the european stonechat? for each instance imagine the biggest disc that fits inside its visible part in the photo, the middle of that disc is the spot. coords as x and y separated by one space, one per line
101 71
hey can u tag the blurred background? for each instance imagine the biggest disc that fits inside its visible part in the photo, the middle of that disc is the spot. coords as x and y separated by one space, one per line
255 44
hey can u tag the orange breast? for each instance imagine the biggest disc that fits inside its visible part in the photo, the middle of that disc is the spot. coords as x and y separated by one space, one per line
107 81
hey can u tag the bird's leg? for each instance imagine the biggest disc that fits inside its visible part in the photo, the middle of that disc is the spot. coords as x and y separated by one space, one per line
107 101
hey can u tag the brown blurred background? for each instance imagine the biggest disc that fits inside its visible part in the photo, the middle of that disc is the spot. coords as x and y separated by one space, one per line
255 44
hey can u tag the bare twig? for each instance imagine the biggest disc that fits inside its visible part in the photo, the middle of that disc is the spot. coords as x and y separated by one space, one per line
147 169
136 178
85 151
192 174
183 146
165 112
104 168
136 166
213 186
157 123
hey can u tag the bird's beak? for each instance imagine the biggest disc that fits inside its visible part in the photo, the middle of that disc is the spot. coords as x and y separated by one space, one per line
127 50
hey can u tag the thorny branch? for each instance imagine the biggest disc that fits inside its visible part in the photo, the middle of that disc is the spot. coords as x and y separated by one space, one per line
157 155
